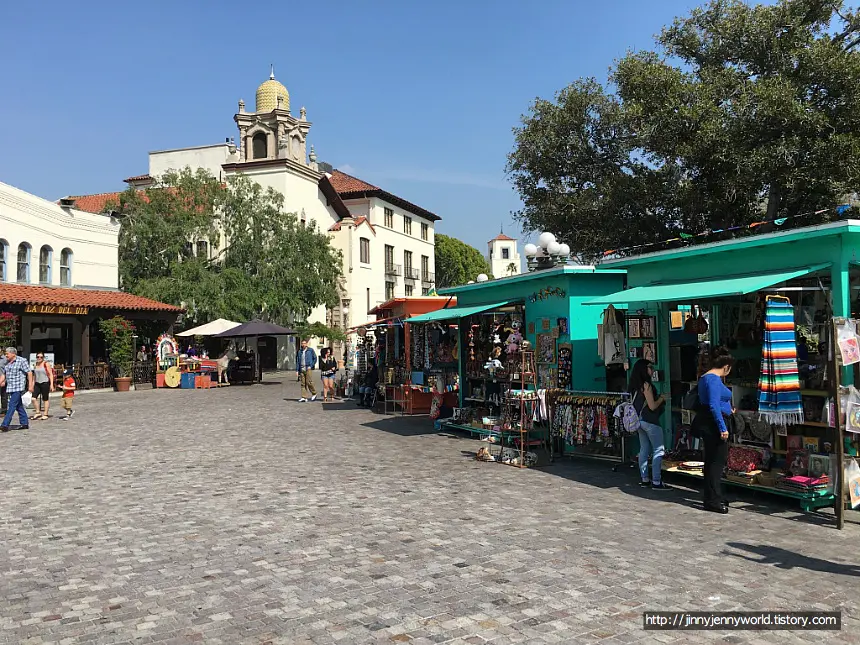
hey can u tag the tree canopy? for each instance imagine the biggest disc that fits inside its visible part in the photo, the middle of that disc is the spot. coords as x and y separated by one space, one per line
742 112
264 263
457 262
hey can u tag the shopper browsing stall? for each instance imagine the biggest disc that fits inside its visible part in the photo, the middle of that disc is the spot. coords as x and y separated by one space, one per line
715 405
651 442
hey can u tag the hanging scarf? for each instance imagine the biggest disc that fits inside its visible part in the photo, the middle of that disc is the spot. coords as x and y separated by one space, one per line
779 386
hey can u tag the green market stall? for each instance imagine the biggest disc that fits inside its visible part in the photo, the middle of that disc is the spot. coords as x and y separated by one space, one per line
721 300
545 309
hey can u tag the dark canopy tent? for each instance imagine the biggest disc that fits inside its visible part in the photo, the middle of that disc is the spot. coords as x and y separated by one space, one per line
254 329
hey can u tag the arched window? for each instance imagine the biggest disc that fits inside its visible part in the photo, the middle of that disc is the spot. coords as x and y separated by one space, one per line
23 262
260 145
4 256
66 268
46 256
203 249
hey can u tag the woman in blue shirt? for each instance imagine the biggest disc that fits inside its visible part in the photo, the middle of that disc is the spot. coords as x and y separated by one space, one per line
715 405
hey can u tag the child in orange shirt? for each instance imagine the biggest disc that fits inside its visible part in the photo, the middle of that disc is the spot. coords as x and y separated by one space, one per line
69 387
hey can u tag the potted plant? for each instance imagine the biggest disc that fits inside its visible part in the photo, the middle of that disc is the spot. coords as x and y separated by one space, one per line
118 335
8 328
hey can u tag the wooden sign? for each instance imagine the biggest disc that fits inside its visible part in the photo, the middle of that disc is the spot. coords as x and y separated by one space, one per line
62 310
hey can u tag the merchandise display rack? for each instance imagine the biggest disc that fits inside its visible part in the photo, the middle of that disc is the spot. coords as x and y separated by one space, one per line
518 407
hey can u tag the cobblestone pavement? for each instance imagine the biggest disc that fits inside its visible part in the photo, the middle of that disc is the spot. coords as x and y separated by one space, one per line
236 516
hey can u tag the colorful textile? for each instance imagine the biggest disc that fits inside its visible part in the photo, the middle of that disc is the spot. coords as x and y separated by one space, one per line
779 386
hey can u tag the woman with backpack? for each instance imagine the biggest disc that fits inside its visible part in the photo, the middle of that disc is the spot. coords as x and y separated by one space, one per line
648 405
715 404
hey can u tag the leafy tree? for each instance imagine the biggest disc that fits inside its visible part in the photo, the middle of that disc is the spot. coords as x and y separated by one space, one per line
268 264
319 330
512 268
457 262
743 111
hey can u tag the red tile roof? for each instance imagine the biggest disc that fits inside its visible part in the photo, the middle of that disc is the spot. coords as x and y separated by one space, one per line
137 178
344 183
94 203
358 222
501 237
22 294
349 187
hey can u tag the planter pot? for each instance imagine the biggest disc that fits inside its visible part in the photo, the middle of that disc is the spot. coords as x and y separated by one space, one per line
123 383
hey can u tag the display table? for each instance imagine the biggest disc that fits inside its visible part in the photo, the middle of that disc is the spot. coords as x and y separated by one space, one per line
808 501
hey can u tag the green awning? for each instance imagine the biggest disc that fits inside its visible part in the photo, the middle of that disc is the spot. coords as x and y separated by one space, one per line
703 289
453 313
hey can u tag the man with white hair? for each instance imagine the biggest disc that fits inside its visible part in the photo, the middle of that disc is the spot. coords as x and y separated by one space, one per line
18 378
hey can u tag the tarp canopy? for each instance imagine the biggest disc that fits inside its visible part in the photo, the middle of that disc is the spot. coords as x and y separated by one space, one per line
703 289
210 328
256 328
455 312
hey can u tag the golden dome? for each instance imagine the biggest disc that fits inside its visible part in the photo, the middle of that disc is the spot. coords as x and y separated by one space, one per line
268 93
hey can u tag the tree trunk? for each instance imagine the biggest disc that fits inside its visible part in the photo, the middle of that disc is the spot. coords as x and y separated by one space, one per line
773 199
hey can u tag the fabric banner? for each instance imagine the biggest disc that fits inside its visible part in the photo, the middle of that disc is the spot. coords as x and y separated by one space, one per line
779 385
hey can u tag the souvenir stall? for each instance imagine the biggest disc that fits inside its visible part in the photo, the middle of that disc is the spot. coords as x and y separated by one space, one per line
771 306
418 362
175 369
500 322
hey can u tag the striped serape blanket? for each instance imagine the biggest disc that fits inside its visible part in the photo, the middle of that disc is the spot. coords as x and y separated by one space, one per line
779 385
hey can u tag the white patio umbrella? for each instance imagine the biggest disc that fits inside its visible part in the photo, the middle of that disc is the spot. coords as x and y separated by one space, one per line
211 328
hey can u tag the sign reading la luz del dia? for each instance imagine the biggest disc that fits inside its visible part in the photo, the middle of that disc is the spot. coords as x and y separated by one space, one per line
56 309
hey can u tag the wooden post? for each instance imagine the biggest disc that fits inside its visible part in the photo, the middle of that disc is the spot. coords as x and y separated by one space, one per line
839 484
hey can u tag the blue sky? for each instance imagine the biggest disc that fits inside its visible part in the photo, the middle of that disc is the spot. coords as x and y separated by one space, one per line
417 97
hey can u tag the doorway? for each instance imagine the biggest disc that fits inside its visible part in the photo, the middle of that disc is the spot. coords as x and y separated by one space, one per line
52 339
267 348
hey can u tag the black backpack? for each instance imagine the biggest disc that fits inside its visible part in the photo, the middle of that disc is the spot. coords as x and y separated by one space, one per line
691 399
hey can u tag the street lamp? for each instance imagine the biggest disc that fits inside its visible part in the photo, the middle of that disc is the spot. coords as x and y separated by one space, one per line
548 253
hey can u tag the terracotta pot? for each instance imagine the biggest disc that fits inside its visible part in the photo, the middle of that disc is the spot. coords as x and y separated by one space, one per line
123 383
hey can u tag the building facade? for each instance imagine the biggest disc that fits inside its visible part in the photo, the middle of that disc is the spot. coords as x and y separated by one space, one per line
59 274
503 256
387 242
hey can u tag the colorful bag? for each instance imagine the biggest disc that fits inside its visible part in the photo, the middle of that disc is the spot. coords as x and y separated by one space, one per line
630 418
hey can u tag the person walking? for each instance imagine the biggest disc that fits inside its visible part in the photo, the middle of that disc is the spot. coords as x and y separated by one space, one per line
306 361
44 377
651 441
19 379
4 397
715 404
69 387
328 368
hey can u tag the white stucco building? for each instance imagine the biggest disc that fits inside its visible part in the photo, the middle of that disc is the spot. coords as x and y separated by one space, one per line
387 242
59 273
503 256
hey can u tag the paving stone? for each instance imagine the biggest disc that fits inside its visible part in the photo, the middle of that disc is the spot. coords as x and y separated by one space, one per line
236 516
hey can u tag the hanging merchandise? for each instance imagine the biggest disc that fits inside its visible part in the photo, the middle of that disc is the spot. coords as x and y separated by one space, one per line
585 418
846 337
565 366
779 385
611 339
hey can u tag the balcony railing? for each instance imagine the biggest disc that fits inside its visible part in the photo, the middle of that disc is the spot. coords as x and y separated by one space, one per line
410 274
429 277
393 269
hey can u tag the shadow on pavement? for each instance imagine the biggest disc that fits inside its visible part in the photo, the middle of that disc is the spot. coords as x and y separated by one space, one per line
406 426
784 559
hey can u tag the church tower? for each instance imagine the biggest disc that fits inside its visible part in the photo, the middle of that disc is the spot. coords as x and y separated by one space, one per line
271 131
503 256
